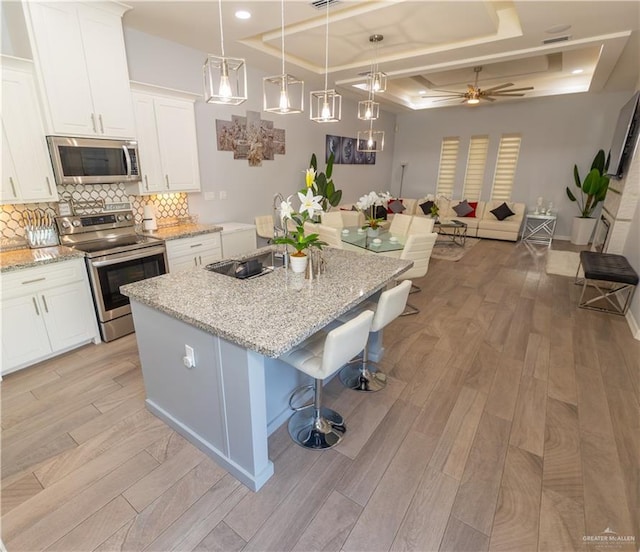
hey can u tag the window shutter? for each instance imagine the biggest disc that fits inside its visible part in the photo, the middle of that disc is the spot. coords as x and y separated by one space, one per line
447 169
476 163
506 164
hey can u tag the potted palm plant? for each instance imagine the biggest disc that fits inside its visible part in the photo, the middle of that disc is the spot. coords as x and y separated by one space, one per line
591 192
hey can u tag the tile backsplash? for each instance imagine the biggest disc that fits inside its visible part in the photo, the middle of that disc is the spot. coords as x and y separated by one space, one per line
168 206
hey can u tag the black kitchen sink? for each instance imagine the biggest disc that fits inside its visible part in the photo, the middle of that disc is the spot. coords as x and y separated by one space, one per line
251 267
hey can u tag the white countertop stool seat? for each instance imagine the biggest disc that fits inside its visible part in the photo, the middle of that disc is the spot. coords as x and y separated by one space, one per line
319 356
363 375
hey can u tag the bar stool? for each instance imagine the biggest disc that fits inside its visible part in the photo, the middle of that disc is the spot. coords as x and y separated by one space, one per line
363 375
321 355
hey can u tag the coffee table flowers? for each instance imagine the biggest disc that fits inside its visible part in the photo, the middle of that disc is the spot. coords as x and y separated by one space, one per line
368 204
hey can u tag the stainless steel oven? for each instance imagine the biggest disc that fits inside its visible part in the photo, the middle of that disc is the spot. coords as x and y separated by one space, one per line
115 256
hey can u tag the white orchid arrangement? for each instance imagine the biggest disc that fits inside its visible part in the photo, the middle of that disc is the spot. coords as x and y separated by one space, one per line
309 206
367 205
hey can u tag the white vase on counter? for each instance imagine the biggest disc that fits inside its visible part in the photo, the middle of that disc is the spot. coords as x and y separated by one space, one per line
298 264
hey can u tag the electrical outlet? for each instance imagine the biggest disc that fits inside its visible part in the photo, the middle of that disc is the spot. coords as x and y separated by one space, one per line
189 358
209 196
223 195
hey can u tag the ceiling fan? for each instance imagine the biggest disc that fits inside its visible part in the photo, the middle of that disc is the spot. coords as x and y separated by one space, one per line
474 93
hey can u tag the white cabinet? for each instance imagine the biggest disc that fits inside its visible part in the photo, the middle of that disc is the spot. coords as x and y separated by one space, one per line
26 168
196 251
81 61
237 239
45 311
167 143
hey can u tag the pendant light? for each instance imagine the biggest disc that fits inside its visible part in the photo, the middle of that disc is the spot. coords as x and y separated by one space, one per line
376 79
283 93
326 105
370 140
225 78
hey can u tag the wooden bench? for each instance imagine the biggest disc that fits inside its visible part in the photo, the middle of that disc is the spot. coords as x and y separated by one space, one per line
611 276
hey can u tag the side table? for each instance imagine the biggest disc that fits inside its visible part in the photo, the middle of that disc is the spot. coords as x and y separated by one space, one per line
539 228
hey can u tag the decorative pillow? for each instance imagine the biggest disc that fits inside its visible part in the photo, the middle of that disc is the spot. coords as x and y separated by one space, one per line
474 206
381 212
502 212
426 207
463 208
395 206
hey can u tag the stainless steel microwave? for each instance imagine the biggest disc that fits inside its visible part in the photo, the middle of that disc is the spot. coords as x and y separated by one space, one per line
93 160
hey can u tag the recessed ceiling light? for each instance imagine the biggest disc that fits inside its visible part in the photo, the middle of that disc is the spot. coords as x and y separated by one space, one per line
561 28
243 14
422 91
577 71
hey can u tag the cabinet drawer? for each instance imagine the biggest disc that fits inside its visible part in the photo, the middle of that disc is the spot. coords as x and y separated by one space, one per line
29 280
193 245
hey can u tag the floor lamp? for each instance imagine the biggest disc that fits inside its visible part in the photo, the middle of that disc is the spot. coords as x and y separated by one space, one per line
403 165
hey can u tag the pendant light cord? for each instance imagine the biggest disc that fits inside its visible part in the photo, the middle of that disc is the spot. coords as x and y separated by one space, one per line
221 31
326 48
282 32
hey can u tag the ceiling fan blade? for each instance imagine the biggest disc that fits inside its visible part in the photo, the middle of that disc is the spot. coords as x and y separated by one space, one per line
487 98
507 95
449 91
512 90
506 85
449 99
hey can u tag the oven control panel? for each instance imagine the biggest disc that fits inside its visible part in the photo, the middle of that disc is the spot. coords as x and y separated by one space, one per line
89 223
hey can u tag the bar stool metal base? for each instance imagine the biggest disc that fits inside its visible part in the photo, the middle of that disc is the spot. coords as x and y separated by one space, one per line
309 430
361 377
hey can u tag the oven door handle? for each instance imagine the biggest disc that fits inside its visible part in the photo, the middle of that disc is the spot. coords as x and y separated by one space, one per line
127 256
127 159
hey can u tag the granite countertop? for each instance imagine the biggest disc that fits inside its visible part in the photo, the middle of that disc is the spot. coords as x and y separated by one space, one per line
274 312
181 231
27 258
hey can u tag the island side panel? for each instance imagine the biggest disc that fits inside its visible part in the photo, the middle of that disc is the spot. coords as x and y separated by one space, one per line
243 384
195 402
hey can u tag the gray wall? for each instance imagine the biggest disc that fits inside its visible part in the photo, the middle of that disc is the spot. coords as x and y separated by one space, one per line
250 190
557 132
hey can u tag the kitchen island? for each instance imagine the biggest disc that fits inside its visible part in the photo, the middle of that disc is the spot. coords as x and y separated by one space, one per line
209 347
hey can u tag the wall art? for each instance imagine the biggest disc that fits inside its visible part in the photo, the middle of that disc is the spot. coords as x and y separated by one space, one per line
345 151
250 138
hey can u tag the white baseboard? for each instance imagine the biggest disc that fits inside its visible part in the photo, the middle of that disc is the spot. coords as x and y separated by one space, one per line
633 325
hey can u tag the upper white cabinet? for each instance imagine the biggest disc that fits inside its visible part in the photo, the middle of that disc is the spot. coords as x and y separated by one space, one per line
26 168
80 57
167 143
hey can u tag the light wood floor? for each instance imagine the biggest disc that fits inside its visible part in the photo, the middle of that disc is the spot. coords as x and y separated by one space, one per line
511 422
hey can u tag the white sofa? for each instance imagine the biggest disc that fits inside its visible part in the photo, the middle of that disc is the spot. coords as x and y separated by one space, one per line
483 225
507 229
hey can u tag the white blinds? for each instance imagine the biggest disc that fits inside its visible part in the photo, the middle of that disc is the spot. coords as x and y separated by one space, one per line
506 166
447 169
476 163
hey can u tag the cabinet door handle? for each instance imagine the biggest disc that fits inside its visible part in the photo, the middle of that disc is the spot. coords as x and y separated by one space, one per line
13 187
146 183
101 124
93 123
200 259
195 261
44 302
35 305
34 281
196 245
166 177
48 185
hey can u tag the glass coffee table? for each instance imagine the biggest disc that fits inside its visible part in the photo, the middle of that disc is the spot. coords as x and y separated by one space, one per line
453 229
383 243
